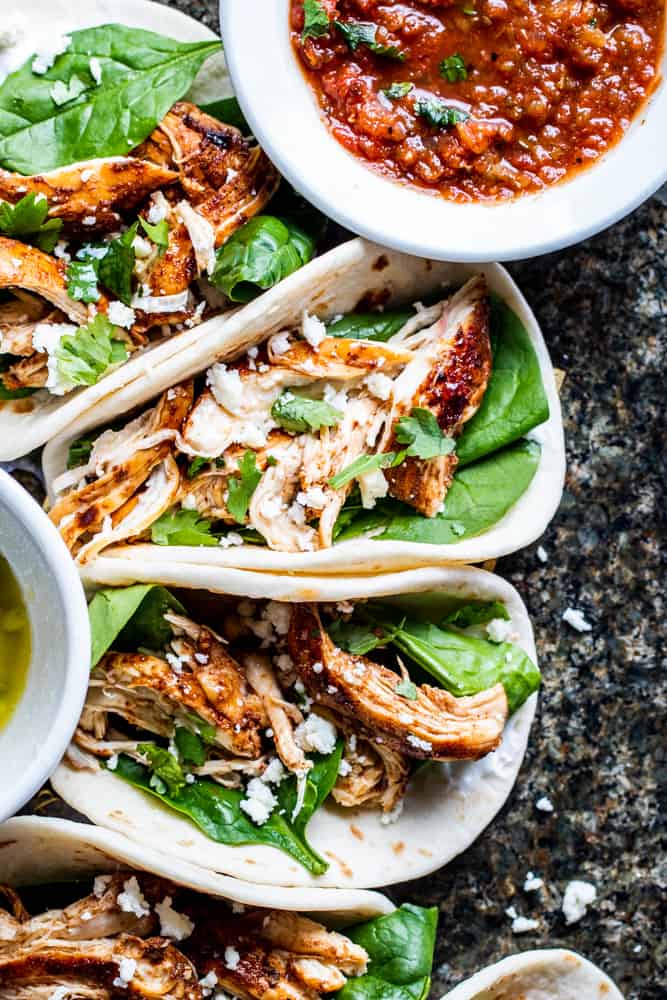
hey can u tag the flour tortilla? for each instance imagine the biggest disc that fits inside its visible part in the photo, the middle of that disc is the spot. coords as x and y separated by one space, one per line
446 808
333 284
549 974
27 424
35 850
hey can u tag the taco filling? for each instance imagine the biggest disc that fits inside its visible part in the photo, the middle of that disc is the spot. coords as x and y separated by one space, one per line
403 423
140 936
103 255
249 728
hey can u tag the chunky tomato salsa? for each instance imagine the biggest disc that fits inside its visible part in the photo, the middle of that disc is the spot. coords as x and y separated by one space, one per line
479 99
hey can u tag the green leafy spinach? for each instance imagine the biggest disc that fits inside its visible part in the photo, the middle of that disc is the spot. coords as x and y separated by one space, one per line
259 255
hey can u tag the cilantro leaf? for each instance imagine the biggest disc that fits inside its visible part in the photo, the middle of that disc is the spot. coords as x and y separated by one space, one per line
241 488
438 112
27 221
397 90
406 689
315 20
62 93
82 280
453 68
358 33
420 431
364 464
182 527
110 264
157 232
79 452
83 357
190 746
167 772
196 465
299 414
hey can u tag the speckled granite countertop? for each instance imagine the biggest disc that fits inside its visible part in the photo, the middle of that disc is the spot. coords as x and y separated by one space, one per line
597 749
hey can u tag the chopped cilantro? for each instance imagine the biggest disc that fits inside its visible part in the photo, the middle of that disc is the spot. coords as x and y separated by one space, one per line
182 527
158 233
299 414
242 487
27 221
167 772
438 112
364 464
397 90
406 689
79 452
196 465
111 264
83 357
453 68
358 33
420 431
315 20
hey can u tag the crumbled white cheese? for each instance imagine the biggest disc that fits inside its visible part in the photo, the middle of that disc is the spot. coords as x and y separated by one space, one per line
344 768
112 762
301 782
393 815
46 338
532 883
313 329
316 734
419 744
259 802
520 925
142 247
274 772
373 486
315 498
126 970
60 251
100 885
95 67
202 236
232 957
86 175
208 983
176 926
159 209
379 385
335 397
279 344
542 554
544 805
131 900
175 662
284 662
121 315
297 513
576 619
60 93
226 386
318 667
499 630
45 58
578 897
231 539
89 220
279 615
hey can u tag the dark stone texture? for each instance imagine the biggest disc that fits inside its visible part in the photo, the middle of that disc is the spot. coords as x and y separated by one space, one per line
597 748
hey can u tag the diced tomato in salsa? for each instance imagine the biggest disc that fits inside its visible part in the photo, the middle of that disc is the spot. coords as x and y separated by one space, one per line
479 99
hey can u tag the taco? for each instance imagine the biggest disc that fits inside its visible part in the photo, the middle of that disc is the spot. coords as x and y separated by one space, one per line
337 743
135 214
134 927
384 400
548 974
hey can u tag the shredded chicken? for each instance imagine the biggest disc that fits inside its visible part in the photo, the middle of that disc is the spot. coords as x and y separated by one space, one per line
283 716
378 775
22 266
434 726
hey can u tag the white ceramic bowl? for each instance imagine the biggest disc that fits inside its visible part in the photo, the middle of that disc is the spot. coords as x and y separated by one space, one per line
34 739
287 121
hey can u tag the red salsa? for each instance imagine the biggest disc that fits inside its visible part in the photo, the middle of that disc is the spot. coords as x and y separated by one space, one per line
479 99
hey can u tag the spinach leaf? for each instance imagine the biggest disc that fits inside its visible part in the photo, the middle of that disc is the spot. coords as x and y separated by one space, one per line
360 638
370 325
217 812
182 527
319 782
465 665
228 111
400 948
515 400
299 414
358 33
453 68
131 615
83 357
242 487
259 255
365 463
9 394
421 432
438 112
190 746
167 775
28 221
142 75
476 613
315 20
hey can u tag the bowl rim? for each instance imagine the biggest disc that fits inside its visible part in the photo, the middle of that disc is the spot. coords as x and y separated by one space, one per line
35 523
498 240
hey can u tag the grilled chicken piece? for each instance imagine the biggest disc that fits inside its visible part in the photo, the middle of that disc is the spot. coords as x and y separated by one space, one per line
339 358
227 180
283 716
378 776
22 266
283 956
143 449
436 726
104 190
18 319
453 368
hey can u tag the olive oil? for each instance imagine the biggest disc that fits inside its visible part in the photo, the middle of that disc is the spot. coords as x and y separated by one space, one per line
14 642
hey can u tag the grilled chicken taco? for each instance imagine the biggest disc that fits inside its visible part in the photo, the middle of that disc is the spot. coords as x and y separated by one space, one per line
135 931
549 974
372 399
131 218
349 743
